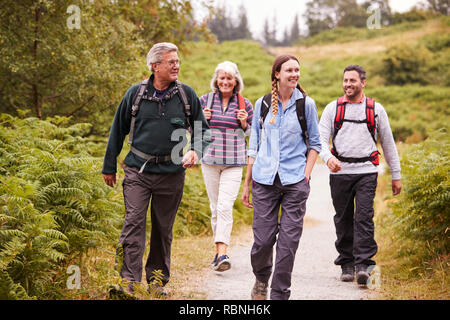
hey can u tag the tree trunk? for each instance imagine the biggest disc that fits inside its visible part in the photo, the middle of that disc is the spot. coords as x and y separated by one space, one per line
36 100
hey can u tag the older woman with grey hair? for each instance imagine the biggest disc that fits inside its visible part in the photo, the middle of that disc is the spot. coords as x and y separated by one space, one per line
229 116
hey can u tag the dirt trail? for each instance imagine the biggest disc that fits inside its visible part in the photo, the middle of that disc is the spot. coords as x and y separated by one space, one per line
314 275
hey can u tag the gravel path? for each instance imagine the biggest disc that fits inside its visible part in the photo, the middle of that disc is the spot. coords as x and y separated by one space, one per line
314 275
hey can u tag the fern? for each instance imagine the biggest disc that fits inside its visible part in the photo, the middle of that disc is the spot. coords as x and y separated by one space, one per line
423 211
53 204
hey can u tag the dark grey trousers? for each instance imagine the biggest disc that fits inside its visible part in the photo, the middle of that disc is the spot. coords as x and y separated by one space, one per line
165 192
353 196
267 200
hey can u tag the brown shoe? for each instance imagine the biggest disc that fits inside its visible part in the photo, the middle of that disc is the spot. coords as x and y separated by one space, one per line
259 291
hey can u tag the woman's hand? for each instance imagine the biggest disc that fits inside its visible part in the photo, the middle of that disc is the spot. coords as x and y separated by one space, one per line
189 159
207 112
246 196
242 116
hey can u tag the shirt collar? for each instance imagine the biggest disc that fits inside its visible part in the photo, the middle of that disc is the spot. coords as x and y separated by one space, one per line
347 100
296 94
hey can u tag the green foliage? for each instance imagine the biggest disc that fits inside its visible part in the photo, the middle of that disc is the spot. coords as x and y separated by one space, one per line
410 16
54 204
253 62
404 63
227 28
323 15
347 34
423 212
51 65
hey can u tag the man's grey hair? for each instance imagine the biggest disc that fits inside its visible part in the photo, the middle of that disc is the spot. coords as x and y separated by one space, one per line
155 55
230 68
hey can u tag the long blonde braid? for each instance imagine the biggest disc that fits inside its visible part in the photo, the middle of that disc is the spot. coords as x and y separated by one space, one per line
274 100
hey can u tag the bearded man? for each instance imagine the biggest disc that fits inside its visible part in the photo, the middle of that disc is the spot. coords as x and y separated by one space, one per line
355 123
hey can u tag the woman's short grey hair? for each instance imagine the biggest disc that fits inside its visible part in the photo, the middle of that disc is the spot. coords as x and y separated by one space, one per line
155 55
230 68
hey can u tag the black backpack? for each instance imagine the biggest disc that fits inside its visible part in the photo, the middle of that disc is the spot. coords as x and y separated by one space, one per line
300 109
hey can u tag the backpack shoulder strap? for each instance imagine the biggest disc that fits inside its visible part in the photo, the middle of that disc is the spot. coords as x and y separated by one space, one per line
301 115
338 121
370 116
135 107
209 100
184 99
265 106
340 113
241 102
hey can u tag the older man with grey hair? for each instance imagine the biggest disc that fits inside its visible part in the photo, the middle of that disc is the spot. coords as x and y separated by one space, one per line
153 113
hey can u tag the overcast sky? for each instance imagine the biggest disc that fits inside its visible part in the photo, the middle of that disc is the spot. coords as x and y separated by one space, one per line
285 11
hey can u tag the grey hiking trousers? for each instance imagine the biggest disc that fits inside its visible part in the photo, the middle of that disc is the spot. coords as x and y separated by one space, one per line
267 200
165 192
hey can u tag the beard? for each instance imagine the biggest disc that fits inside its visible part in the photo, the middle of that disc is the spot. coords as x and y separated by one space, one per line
352 93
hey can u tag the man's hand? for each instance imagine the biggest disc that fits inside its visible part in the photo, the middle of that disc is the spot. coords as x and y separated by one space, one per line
189 159
110 179
334 164
396 187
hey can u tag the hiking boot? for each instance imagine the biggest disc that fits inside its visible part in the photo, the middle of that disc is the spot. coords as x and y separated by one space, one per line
348 273
119 293
259 291
157 289
361 274
222 263
213 263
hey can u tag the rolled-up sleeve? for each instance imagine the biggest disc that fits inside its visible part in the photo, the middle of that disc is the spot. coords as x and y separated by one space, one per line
312 120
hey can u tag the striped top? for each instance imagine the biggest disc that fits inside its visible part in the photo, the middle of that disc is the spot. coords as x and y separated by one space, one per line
228 145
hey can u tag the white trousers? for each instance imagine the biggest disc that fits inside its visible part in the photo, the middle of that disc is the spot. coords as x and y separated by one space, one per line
222 185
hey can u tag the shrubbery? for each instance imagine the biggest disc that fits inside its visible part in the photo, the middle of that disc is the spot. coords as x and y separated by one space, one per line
423 212
54 205
403 64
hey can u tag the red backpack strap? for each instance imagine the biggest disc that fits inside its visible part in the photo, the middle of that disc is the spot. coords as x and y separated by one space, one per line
338 121
370 116
340 112
241 102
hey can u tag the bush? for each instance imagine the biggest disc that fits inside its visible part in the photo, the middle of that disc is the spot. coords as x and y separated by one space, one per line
54 205
403 64
423 212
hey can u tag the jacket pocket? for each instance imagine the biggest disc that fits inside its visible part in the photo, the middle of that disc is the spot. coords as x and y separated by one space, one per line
178 122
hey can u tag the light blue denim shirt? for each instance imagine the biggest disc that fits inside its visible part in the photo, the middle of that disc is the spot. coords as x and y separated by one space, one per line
279 147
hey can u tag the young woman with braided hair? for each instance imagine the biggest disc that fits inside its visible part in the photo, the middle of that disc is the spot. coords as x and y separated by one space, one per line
279 167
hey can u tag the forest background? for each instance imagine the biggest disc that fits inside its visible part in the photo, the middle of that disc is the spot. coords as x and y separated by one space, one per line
65 65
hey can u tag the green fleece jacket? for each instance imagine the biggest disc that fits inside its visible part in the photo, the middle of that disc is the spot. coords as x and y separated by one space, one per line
155 123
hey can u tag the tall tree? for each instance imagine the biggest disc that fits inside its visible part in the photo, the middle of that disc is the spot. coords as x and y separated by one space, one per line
320 15
75 58
242 30
220 25
295 30
350 13
441 6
